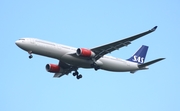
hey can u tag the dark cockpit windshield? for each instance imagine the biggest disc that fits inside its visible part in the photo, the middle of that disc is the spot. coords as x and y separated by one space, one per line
21 39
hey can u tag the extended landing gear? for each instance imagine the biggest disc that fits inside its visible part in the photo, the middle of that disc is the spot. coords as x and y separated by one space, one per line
95 66
30 54
78 76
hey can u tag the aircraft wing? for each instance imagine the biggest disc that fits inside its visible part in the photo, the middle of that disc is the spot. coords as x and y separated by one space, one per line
66 69
105 49
65 72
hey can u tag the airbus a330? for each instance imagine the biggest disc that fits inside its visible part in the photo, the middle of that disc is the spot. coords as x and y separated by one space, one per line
71 59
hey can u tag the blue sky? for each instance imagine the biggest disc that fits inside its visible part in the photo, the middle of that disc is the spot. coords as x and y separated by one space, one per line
25 84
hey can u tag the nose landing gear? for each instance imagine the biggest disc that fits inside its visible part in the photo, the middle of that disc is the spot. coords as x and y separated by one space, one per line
30 54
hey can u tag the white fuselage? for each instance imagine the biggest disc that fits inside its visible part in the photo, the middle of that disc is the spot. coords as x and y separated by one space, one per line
65 54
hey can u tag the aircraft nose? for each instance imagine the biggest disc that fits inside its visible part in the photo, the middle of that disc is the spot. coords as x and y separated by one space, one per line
17 42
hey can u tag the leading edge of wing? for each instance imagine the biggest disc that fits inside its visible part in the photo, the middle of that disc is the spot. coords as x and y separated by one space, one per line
132 38
107 48
140 35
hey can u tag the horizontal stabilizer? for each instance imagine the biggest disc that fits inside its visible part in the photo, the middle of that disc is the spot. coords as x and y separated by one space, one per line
150 62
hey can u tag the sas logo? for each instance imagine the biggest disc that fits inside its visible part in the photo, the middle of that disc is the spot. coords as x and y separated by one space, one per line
138 59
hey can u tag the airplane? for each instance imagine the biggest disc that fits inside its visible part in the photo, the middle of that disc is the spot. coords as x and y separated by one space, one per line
71 59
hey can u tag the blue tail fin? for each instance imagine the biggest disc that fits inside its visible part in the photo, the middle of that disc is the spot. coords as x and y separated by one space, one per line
140 55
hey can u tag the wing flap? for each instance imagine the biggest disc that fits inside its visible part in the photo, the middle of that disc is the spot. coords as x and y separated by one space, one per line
58 75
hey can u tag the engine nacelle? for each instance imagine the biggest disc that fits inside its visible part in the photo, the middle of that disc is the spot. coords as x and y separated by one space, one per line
53 68
85 52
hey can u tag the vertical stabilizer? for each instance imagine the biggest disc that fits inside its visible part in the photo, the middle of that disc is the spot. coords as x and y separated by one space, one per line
140 55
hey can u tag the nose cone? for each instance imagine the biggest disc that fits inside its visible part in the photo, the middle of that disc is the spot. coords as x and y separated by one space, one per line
17 42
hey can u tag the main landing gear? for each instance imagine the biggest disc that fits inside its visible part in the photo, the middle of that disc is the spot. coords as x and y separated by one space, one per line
30 54
78 76
95 66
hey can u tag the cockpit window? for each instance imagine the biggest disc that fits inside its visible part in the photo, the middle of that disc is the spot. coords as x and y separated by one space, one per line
21 39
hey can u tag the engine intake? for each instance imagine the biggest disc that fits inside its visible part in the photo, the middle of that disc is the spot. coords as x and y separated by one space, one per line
85 52
53 68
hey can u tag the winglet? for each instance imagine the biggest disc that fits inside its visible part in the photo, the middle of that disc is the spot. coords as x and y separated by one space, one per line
150 62
154 28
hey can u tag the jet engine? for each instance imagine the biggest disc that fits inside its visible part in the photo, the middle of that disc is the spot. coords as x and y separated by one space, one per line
53 68
85 52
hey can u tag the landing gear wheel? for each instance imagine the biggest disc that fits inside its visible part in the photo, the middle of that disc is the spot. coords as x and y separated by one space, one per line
79 76
30 56
95 66
75 73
